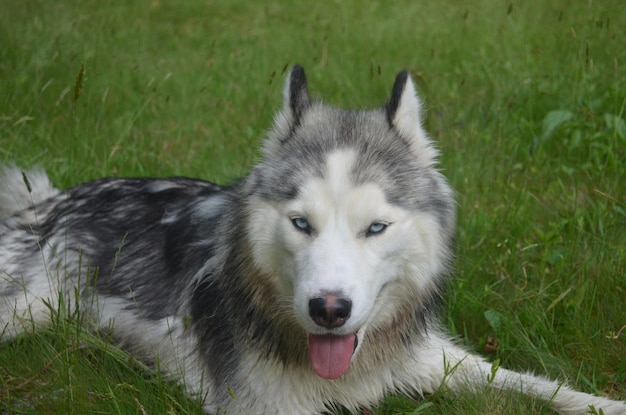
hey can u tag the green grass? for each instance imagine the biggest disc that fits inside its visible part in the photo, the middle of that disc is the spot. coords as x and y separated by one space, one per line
526 100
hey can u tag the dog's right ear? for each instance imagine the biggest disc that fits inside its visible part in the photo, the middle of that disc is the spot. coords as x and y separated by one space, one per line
295 102
296 95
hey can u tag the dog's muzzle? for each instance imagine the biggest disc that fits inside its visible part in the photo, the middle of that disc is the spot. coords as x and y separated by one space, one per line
330 354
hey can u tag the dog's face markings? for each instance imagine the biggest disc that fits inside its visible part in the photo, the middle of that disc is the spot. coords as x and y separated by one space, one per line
338 243
350 204
352 231
341 243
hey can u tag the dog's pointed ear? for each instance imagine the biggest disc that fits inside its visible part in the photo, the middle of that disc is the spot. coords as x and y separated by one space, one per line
404 113
296 101
296 94
404 108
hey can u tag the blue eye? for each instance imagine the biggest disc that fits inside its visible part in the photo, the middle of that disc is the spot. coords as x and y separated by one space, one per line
376 228
301 224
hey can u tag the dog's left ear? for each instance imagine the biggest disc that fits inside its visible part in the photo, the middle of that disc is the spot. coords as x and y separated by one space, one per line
404 113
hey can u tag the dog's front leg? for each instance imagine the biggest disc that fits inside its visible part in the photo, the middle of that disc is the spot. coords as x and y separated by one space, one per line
444 364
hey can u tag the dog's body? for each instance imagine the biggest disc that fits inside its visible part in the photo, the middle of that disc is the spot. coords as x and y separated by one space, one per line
311 284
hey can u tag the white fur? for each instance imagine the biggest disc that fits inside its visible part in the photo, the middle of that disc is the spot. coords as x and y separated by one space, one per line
168 338
31 306
15 194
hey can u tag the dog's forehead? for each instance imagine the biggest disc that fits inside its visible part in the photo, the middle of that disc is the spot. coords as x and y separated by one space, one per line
379 155
339 127
338 173
351 158
335 199
362 140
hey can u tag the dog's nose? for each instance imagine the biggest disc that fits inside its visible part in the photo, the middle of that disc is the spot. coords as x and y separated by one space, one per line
330 311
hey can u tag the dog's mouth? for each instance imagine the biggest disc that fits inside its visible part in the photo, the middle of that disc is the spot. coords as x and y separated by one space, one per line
331 354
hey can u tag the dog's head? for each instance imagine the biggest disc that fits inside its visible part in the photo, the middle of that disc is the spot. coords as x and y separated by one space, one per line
349 218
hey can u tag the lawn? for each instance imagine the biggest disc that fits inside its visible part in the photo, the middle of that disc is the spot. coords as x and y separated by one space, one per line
526 101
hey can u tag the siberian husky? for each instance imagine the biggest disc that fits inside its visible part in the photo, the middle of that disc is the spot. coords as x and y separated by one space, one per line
310 285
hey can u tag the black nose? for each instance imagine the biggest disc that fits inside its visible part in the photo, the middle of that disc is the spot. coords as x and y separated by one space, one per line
330 311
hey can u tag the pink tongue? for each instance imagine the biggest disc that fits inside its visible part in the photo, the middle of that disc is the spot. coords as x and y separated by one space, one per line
330 355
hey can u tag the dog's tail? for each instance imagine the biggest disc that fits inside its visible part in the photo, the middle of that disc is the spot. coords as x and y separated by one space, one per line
21 189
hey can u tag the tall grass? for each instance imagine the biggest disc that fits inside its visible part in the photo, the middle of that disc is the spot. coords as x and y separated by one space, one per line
525 99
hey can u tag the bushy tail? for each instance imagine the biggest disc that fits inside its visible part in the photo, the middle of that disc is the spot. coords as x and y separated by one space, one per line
21 189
